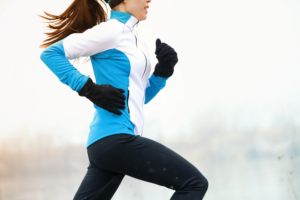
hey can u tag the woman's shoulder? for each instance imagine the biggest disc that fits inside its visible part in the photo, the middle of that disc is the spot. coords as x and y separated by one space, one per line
104 33
95 40
110 28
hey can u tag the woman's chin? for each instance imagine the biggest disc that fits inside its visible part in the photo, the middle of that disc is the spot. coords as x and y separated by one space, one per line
145 17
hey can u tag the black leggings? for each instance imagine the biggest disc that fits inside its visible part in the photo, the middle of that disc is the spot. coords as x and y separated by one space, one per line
113 157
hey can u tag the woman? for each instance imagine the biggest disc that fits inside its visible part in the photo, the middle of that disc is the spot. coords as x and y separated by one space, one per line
121 64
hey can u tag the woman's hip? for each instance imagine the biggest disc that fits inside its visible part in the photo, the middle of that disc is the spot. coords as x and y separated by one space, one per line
145 159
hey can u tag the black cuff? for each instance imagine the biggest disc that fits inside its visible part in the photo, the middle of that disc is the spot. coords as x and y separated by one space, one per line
87 88
162 71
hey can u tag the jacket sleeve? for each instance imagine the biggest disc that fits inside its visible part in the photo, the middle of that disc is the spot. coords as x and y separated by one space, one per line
154 85
97 39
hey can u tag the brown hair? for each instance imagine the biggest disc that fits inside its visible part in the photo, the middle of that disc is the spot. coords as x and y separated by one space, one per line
77 18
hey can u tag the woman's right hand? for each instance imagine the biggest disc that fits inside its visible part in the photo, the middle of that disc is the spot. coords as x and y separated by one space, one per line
104 96
167 59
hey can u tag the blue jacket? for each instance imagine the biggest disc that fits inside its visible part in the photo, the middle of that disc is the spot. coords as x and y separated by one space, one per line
119 58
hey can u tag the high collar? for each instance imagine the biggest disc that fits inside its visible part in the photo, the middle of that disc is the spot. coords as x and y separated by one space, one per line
123 17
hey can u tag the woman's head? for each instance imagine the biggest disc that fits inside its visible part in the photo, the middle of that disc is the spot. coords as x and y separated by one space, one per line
137 8
84 14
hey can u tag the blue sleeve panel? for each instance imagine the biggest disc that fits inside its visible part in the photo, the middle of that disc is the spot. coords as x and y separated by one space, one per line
156 84
54 57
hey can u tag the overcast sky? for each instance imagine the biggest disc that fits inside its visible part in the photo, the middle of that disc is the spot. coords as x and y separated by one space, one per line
233 55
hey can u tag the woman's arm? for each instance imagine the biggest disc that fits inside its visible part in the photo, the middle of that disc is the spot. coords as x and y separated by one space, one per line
164 69
154 85
54 57
99 38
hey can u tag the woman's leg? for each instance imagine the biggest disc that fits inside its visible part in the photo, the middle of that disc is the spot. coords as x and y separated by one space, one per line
150 161
98 184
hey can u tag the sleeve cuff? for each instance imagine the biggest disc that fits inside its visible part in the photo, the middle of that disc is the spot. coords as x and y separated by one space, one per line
84 80
158 81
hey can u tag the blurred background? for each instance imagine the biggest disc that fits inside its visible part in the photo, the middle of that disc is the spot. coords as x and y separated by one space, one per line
232 107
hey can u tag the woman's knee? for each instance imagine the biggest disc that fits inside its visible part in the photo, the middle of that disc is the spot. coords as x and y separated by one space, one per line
196 182
203 183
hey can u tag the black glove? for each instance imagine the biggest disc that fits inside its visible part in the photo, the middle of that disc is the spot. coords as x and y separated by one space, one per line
104 96
167 58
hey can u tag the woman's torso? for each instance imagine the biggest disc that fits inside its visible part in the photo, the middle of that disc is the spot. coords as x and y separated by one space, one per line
126 66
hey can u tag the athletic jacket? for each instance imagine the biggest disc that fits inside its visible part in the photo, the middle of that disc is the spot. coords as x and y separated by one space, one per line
119 58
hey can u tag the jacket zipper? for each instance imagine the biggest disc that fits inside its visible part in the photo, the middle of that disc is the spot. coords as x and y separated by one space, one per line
142 78
144 70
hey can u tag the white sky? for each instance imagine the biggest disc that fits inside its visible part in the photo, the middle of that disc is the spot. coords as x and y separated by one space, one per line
232 54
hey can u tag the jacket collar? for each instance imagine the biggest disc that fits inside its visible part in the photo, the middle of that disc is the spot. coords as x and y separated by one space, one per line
129 20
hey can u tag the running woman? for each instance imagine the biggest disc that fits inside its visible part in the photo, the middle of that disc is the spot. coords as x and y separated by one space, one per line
121 64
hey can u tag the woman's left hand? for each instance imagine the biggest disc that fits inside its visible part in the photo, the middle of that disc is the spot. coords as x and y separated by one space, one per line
167 58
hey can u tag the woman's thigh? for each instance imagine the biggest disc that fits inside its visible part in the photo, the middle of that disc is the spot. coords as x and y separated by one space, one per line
98 184
147 160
